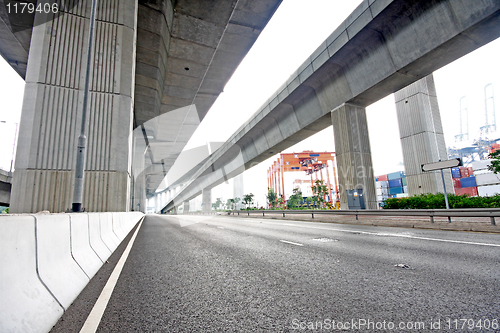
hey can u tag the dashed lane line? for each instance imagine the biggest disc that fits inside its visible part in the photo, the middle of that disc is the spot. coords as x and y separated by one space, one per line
383 234
293 243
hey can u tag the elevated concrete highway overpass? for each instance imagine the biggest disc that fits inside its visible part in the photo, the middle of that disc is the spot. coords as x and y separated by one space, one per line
151 58
381 48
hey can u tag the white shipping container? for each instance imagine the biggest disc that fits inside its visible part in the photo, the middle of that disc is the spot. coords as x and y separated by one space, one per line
405 189
480 165
488 191
382 184
383 191
380 198
487 179
402 195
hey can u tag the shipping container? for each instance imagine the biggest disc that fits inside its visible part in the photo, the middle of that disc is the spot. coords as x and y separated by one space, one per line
395 190
396 175
395 183
402 195
480 165
488 191
382 184
405 189
471 171
464 172
404 181
456 183
455 173
487 179
382 178
468 182
470 191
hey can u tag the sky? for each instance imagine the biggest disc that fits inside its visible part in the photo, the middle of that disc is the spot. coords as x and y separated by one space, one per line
293 33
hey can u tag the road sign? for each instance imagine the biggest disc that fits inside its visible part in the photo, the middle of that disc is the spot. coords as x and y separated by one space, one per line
442 165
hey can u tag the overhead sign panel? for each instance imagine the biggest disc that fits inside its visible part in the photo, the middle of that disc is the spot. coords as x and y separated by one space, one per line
442 165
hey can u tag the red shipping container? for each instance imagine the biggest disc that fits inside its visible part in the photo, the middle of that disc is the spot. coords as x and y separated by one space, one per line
470 191
464 172
457 183
471 171
383 178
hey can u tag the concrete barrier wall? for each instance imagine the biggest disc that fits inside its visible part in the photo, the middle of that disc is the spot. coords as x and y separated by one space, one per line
82 252
47 259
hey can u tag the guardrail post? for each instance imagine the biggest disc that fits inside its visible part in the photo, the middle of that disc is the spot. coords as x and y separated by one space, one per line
312 214
262 213
356 217
492 219
449 219
248 213
432 218
283 214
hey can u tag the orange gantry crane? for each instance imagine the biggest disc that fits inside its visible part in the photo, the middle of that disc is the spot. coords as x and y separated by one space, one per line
307 161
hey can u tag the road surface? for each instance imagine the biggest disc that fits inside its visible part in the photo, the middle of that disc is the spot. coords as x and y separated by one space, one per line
227 274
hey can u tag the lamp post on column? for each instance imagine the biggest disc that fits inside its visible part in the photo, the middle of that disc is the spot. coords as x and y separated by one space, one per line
82 139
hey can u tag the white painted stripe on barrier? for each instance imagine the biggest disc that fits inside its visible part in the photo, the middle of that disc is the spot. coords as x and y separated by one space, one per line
107 234
96 241
26 306
56 267
81 250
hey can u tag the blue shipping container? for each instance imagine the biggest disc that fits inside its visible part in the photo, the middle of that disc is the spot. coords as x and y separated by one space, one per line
396 175
396 182
468 182
455 172
395 190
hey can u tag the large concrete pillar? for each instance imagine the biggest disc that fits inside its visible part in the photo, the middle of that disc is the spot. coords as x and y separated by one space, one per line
238 189
52 111
352 149
422 137
206 199
186 207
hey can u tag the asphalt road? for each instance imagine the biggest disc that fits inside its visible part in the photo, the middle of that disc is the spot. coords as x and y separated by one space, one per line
224 274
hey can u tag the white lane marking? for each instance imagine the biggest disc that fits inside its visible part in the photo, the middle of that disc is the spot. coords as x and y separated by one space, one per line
284 241
221 228
95 315
385 234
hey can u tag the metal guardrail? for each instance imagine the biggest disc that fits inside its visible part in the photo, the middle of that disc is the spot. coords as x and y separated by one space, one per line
431 213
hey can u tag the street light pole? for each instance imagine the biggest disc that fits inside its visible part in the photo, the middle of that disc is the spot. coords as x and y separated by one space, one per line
82 139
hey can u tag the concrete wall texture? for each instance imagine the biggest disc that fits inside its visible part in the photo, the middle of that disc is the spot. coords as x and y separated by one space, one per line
47 260
52 110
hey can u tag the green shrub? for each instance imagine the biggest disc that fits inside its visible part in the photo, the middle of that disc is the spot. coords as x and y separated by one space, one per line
436 201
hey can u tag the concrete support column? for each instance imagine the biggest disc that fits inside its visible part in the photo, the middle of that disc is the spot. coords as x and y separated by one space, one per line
52 111
354 159
206 199
422 138
186 207
238 189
